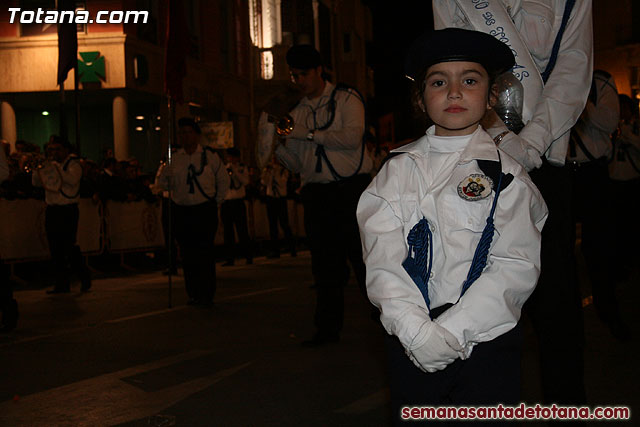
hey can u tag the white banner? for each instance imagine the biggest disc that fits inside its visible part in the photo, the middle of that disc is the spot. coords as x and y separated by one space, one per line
133 225
22 233
217 135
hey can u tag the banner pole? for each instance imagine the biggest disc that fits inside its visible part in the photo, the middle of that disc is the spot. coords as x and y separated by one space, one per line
170 132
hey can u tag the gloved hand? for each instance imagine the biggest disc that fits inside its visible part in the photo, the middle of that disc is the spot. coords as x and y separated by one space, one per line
440 349
299 131
521 150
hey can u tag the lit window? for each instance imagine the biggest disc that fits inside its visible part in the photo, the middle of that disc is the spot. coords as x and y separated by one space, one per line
266 65
264 22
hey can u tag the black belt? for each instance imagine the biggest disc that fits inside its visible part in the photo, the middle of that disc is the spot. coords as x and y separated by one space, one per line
576 166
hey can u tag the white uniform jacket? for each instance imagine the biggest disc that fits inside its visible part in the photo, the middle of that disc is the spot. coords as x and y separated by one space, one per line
598 121
214 179
238 180
66 190
342 140
565 93
274 179
423 182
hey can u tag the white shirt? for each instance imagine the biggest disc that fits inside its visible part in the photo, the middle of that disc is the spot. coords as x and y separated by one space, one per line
239 178
423 182
214 179
564 95
274 179
342 140
61 187
598 121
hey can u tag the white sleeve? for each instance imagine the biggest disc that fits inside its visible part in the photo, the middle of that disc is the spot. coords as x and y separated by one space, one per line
73 174
565 93
492 305
288 156
606 114
389 287
222 177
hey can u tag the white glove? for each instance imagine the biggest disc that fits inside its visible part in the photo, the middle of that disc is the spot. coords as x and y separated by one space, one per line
521 150
299 132
440 349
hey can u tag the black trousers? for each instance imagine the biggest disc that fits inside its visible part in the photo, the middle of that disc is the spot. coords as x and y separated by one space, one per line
234 213
333 237
489 377
8 304
625 207
195 229
555 305
61 226
277 213
592 201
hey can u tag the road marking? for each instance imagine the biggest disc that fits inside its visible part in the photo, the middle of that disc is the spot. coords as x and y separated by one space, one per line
105 399
250 294
367 403
133 317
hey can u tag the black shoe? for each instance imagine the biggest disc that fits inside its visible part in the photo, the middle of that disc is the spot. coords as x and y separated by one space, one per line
57 290
293 254
192 301
320 339
273 255
249 261
173 272
228 263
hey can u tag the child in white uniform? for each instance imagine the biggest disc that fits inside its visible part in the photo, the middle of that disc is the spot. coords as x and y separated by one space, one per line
450 229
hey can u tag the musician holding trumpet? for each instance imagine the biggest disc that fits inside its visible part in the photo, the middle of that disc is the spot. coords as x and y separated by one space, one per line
325 145
60 176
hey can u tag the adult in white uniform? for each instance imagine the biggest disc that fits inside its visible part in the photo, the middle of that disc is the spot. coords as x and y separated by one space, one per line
326 148
589 153
61 181
197 181
233 210
552 108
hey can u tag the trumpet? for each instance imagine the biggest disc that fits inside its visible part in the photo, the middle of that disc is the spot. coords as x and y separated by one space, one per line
34 163
284 124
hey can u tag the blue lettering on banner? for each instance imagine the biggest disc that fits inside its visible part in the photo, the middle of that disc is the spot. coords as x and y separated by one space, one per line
480 4
499 33
488 17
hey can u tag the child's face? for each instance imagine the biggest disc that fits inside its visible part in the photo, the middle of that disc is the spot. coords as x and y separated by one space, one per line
456 96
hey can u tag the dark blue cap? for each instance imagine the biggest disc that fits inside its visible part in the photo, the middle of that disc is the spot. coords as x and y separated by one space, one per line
304 57
456 44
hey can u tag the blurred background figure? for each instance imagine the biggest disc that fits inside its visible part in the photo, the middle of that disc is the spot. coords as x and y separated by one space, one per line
624 171
589 152
274 181
60 177
197 182
8 305
233 211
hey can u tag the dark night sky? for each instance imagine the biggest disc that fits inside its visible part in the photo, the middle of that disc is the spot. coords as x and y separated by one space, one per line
395 25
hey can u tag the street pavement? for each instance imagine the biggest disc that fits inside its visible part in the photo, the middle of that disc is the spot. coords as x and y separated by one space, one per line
121 355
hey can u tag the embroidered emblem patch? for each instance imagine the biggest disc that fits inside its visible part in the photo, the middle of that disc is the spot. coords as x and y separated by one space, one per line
475 187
